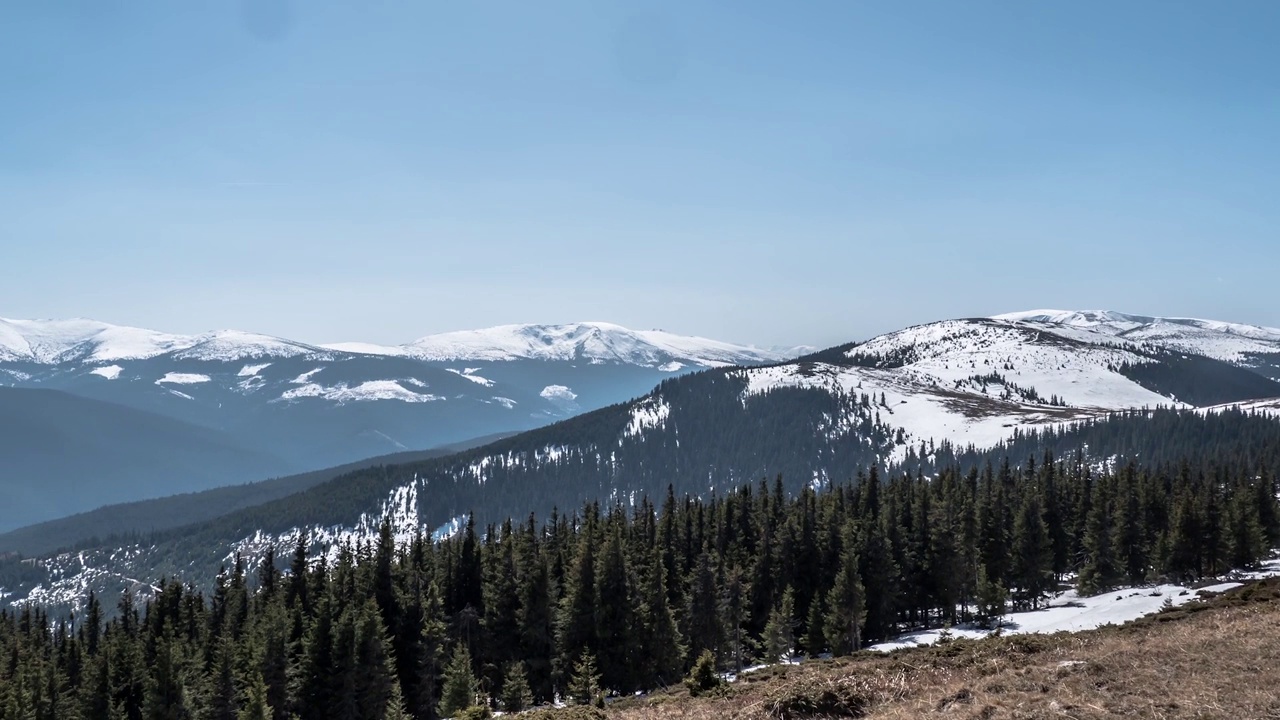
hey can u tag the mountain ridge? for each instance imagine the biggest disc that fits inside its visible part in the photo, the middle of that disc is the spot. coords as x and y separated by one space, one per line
54 341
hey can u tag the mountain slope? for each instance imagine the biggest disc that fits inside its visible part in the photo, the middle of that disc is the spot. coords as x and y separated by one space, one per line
61 454
1249 346
163 513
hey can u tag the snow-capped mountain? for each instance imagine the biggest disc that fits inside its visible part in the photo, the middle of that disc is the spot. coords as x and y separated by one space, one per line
312 407
593 342
1245 345
50 342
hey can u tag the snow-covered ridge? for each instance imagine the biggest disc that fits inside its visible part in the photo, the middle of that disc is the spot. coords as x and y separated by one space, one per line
1231 342
57 341
591 342
972 382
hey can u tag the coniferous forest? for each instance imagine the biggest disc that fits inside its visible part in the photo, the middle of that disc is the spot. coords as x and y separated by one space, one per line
614 600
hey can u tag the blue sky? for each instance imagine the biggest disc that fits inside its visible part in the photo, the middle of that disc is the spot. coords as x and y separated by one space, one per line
755 171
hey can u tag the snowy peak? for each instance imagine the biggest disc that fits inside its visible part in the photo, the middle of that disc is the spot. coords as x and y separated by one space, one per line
54 341
1249 345
49 342
974 381
592 342
233 345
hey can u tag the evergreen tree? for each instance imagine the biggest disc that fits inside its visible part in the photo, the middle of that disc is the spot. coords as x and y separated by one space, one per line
702 616
846 608
584 685
663 650
991 597
1031 569
461 689
516 695
815 640
780 631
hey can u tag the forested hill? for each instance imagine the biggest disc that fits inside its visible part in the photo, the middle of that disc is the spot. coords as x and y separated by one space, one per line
613 599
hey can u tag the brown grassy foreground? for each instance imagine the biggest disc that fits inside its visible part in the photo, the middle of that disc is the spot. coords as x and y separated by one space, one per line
1214 659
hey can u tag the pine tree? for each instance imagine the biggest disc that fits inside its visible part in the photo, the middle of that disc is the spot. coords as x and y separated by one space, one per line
1031 566
576 618
846 608
702 678
780 631
165 695
516 695
616 619
1099 570
815 639
663 649
991 598
461 689
255 705
584 684
702 616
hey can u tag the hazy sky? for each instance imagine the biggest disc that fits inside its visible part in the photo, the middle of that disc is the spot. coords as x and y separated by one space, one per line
767 172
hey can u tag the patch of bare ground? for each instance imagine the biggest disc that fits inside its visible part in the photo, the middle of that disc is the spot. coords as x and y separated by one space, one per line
1214 659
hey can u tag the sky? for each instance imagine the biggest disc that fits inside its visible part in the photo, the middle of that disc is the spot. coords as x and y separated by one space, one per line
762 172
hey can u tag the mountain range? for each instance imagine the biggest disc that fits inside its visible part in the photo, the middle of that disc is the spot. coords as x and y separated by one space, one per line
277 406
1102 383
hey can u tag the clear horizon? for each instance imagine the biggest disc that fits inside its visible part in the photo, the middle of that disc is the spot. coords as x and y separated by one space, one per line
748 172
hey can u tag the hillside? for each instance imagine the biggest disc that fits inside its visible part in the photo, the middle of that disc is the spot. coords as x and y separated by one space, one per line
620 600
149 516
1183 663
1249 346
61 454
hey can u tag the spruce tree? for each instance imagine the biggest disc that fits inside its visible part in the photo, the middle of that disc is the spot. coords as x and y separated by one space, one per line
780 631
461 689
815 639
991 597
846 608
584 684
616 619
663 648
516 695
703 613
1031 568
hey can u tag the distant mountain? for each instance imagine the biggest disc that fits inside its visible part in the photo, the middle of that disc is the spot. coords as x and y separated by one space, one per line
1250 346
916 398
317 407
593 342
61 454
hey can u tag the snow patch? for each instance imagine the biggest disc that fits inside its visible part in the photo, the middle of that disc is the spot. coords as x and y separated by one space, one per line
174 378
648 413
305 377
1067 611
558 393
252 370
469 373
110 372
364 392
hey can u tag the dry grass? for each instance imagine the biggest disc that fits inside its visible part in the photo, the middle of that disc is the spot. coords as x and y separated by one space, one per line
1219 659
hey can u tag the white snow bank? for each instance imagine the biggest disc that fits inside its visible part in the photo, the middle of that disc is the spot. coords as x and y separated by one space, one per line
110 372
1068 611
252 370
174 378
